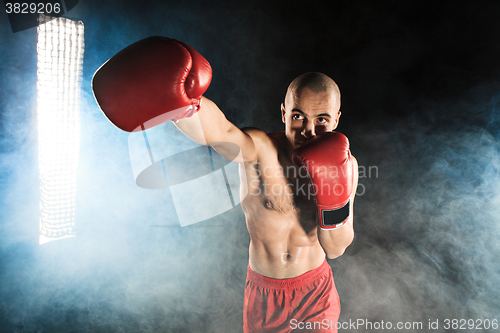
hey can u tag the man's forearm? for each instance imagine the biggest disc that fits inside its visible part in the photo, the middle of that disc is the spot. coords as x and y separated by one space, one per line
206 126
210 127
335 242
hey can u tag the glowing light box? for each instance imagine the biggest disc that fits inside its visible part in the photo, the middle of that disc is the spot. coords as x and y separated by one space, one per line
60 58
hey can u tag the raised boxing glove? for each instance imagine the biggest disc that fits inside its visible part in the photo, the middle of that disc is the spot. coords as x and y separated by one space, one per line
330 168
150 82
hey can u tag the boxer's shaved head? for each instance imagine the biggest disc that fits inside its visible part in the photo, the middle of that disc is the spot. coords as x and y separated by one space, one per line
311 107
318 83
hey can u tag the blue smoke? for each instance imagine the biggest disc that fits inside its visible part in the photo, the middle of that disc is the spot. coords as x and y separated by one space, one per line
426 227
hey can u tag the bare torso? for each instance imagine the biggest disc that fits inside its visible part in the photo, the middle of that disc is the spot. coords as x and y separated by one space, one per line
280 217
285 240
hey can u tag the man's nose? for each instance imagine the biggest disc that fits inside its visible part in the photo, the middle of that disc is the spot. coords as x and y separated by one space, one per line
308 130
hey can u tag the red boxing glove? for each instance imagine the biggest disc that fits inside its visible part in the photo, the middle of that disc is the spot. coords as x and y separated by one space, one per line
150 82
329 164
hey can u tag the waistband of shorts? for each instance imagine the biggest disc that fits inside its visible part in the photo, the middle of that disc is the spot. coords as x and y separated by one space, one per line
298 281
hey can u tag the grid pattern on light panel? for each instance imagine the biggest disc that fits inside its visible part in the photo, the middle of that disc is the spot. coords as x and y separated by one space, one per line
60 59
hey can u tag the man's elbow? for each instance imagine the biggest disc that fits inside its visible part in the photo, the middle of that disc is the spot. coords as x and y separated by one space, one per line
334 254
339 249
337 252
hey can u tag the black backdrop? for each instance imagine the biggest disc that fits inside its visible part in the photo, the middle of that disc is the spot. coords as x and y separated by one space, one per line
420 104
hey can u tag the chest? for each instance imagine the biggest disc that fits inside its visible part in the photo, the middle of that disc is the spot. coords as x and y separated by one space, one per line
276 185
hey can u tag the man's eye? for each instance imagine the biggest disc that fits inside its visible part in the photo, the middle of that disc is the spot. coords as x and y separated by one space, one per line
297 116
322 120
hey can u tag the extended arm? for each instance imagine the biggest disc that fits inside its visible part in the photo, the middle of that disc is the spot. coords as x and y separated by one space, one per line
159 79
210 127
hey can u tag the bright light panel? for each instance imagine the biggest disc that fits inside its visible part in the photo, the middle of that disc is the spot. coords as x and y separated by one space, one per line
60 59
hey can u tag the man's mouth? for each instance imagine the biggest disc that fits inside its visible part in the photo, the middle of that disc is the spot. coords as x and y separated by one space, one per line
299 143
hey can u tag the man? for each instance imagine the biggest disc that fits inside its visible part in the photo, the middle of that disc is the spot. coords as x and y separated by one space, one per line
289 283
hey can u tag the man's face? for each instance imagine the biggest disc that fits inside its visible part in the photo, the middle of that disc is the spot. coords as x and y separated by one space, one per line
307 114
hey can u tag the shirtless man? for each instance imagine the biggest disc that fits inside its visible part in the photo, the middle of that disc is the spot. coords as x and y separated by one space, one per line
289 283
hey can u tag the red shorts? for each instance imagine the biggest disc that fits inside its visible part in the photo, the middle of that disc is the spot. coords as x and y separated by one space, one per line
306 303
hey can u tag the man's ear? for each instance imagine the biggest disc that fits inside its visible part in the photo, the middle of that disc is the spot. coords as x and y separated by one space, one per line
337 120
283 111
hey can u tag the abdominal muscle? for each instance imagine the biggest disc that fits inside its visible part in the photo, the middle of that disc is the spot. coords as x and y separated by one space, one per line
280 247
281 222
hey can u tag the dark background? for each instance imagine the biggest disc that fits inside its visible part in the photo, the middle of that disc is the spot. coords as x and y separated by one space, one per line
420 84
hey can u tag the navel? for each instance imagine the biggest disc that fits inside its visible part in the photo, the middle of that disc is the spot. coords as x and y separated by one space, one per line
287 256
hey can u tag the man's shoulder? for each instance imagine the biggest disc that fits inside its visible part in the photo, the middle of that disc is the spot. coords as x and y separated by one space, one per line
263 137
264 141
